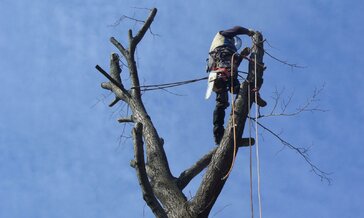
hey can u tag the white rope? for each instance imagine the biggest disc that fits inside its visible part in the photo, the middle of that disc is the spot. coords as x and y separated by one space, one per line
250 157
257 139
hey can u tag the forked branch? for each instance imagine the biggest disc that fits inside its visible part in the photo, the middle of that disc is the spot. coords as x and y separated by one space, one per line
129 53
190 173
135 40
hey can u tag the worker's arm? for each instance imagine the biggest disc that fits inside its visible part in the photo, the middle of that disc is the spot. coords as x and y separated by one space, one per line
237 30
244 53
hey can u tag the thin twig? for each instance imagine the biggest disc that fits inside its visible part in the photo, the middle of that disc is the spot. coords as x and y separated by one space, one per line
117 23
306 107
98 100
270 45
303 152
280 60
219 211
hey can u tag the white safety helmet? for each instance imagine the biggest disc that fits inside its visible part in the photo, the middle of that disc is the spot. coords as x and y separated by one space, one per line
237 42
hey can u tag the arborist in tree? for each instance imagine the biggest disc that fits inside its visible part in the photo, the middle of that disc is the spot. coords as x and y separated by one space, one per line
224 57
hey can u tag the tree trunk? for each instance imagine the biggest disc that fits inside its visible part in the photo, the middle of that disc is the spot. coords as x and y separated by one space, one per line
160 189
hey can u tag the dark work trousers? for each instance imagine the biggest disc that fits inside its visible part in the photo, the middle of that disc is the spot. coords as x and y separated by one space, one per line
222 102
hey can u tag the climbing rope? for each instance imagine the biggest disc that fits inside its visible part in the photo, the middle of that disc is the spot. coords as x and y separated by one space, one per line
256 137
250 142
233 114
256 143
168 85
250 156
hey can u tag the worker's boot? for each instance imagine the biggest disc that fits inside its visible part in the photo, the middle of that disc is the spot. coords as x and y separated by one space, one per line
218 134
245 142
218 117
260 102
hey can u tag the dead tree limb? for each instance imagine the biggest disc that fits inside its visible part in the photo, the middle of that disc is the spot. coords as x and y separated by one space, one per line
141 172
162 182
187 175
126 119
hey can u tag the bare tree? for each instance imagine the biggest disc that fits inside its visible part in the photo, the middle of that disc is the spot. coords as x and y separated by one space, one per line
162 191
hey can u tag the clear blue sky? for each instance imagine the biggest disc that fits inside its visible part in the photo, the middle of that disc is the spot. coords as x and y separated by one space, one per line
61 154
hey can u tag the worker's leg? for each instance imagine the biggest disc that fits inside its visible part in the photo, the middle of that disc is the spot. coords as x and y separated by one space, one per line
236 84
219 115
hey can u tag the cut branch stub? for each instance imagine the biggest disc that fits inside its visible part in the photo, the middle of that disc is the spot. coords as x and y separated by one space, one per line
115 69
117 88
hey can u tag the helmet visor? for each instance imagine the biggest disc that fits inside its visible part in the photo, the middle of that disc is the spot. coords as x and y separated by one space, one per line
237 42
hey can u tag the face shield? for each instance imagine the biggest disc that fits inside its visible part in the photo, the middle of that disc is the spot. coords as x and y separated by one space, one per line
237 42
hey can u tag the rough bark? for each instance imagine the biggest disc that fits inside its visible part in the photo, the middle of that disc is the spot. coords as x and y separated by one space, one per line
148 194
161 190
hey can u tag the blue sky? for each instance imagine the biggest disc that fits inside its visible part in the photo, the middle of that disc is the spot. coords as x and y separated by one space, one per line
61 154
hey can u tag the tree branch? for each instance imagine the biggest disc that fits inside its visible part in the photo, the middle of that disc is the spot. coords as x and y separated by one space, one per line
120 47
161 180
133 42
142 31
126 119
106 85
186 176
114 102
129 54
114 86
147 190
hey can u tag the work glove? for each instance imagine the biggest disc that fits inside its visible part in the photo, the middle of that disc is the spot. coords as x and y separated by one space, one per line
245 52
251 32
